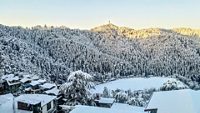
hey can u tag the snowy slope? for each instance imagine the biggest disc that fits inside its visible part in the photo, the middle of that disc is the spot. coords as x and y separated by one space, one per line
135 84
53 52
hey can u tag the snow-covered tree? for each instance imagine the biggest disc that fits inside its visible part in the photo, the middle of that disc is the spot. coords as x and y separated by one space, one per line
1 65
121 97
76 89
172 85
106 93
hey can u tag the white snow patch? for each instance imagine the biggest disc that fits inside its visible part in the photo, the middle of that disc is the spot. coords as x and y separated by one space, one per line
134 84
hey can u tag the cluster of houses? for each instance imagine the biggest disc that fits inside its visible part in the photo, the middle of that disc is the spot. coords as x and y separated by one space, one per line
30 94
25 93
28 84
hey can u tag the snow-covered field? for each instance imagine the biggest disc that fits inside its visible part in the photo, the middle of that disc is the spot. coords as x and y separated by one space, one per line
135 84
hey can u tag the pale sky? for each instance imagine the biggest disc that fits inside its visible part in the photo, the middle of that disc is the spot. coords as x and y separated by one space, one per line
86 14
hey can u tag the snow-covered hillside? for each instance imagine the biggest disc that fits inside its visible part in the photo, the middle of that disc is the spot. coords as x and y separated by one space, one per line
134 84
105 52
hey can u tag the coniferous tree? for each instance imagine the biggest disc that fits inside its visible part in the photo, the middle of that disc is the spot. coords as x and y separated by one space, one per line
76 89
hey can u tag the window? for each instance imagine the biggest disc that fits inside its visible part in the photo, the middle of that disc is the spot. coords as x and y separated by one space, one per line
24 106
48 106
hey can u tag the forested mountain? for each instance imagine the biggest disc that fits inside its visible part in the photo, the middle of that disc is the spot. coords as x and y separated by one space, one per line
106 52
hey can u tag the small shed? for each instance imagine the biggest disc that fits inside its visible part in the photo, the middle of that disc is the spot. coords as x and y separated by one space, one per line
105 102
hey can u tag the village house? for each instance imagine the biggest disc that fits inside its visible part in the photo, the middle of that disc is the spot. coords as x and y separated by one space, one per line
34 86
176 101
27 103
59 97
38 103
11 83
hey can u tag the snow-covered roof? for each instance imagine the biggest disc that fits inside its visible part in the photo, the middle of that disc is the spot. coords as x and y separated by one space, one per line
48 85
10 77
41 80
23 80
116 108
106 100
34 77
54 91
14 78
34 83
6 103
5 98
176 101
35 98
37 82
125 108
27 76
9 106
7 76
90 109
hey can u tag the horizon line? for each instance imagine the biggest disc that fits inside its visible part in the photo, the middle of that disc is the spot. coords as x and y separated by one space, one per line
121 26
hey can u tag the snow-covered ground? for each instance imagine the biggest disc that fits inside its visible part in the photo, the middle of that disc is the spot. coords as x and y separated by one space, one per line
135 84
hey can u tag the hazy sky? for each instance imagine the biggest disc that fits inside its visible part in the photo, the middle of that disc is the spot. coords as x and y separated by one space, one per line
85 14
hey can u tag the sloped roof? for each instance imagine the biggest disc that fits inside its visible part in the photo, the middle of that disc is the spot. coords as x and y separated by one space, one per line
54 91
90 109
41 80
125 108
176 101
48 85
10 77
23 80
35 98
34 83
